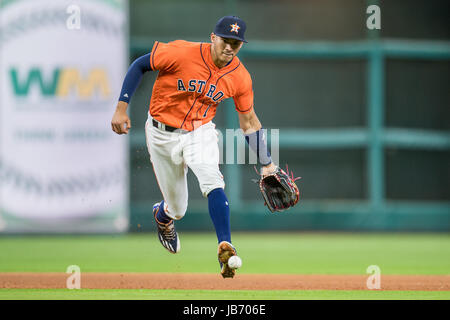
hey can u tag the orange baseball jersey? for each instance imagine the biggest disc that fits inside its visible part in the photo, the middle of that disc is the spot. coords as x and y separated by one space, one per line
189 86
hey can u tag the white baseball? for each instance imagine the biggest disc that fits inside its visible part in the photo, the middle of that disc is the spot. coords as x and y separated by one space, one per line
234 262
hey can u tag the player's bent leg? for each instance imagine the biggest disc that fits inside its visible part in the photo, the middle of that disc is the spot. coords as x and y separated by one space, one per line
172 182
201 154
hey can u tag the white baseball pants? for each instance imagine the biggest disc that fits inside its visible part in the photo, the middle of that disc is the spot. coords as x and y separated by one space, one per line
172 153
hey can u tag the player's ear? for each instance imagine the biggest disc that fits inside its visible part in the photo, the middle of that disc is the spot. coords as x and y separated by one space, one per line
213 36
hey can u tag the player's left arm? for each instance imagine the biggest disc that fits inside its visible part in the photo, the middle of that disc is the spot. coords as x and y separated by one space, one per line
250 124
255 137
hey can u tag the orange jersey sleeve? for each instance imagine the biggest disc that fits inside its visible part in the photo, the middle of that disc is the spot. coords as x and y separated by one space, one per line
166 56
243 99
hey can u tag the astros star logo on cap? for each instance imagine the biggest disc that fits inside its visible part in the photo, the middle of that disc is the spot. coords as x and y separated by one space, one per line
234 28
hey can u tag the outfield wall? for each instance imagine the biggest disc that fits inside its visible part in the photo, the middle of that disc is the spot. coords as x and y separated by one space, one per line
363 114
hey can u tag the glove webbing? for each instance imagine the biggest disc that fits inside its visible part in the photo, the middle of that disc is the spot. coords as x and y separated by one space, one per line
279 190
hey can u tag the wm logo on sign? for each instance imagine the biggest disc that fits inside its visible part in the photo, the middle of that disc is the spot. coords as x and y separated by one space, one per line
62 82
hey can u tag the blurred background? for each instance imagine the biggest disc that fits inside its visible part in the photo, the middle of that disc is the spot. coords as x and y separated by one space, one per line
363 114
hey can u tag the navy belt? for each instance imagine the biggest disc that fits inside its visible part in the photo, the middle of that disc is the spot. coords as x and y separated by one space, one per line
163 126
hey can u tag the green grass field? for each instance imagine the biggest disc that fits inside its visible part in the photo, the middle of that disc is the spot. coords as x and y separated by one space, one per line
284 253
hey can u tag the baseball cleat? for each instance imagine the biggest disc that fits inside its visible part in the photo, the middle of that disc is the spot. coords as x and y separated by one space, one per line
224 252
167 234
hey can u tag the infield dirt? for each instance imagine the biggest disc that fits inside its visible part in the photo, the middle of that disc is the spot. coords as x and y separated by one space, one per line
201 281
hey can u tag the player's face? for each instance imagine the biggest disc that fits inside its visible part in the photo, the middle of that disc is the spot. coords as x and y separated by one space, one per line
224 49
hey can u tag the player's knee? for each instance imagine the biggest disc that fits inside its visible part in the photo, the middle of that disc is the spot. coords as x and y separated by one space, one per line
216 191
208 187
177 211
177 215
209 178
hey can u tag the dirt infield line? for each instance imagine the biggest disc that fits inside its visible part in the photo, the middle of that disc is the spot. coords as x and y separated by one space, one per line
199 281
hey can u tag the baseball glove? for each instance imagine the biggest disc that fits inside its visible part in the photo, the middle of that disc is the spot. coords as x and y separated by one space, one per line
279 190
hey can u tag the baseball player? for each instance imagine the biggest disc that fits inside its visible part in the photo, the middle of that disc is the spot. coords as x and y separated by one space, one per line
193 79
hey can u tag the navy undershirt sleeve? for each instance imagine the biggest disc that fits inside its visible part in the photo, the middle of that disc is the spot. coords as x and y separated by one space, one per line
257 142
134 76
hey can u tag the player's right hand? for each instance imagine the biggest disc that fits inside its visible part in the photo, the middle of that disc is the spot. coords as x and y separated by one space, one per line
120 122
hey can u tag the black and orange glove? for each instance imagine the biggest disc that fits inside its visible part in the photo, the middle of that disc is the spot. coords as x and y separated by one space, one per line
279 190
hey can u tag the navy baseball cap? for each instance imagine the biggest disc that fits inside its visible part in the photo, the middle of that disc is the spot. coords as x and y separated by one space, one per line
231 27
